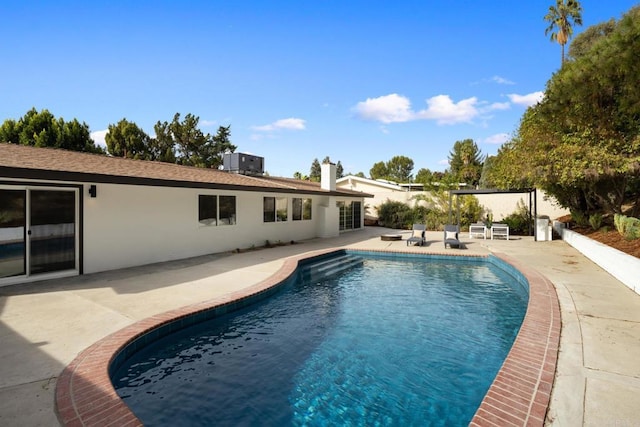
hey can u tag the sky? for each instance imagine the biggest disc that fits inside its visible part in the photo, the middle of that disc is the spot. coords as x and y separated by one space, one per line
358 81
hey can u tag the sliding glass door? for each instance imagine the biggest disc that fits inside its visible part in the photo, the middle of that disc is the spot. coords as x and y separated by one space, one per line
38 231
52 231
12 233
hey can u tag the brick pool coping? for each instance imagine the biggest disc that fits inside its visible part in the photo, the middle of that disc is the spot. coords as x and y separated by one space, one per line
519 395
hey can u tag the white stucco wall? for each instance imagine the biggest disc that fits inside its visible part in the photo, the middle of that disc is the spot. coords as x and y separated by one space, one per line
500 205
503 205
130 225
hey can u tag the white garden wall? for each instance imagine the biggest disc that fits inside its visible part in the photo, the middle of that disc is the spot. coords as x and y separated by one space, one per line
623 267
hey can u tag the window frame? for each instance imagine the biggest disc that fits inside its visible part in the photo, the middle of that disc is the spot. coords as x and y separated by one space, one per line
216 212
204 211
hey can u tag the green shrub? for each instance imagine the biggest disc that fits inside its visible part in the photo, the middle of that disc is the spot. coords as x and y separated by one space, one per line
632 228
470 211
520 220
618 222
394 214
580 219
595 221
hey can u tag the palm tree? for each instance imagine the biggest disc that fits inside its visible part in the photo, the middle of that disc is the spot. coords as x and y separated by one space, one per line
562 17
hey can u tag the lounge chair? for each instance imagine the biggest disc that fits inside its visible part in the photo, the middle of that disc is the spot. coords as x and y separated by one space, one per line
417 234
451 236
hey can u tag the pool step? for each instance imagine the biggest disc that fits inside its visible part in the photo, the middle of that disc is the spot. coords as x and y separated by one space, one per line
330 267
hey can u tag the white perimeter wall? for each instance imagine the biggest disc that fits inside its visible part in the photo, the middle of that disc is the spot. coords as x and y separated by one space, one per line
503 205
128 225
500 205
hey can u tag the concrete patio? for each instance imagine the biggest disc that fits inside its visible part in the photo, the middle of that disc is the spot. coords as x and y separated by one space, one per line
44 325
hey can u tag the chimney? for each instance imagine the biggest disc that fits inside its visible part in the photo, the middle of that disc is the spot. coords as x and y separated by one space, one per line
328 176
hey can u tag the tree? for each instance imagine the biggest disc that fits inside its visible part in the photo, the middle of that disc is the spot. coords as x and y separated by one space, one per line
424 176
315 173
582 142
339 170
397 169
162 147
585 41
379 171
221 144
561 18
126 139
42 129
465 162
188 145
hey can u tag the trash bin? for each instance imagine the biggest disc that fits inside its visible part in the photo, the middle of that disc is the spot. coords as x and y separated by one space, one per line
543 228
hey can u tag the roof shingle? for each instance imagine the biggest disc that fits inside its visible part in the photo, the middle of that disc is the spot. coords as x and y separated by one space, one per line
19 161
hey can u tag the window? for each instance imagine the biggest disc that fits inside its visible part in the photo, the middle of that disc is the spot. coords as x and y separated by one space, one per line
216 210
275 209
207 209
306 209
301 209
227 210
269 209
281 209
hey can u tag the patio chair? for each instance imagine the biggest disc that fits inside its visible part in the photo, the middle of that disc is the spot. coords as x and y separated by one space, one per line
451 236
417 234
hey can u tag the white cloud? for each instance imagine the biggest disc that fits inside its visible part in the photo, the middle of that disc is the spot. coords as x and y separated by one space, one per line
446 112
395 108
443 162
526 100
500 106
98 137
208 122
499 138
501 80
391 108
282 124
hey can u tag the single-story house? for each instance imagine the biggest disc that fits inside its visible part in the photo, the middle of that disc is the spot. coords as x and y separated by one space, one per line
66 213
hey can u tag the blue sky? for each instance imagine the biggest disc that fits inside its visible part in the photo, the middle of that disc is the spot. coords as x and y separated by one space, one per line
358 81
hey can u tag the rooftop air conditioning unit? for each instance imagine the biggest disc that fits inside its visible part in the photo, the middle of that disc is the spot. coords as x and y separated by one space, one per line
245 164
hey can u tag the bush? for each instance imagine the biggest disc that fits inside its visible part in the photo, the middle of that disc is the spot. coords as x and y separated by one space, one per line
628 227
470 211
520 220
595 221
394 214
579 218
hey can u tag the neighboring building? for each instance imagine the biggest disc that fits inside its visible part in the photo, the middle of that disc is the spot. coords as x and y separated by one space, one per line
499 205
66 213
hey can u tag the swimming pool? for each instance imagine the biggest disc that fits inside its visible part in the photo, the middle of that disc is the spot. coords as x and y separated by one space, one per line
364 347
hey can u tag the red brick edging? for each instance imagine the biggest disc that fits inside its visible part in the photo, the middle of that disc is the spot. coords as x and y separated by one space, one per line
519 394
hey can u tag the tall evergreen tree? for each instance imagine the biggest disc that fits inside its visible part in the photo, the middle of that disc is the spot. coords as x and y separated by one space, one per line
126 139
465 162
42 129
315 173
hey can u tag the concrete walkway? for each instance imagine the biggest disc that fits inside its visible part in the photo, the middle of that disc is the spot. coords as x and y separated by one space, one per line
44 325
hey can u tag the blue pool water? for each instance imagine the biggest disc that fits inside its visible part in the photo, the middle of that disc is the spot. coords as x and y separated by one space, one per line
393 342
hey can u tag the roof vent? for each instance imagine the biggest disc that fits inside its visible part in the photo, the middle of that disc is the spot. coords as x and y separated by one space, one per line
241 163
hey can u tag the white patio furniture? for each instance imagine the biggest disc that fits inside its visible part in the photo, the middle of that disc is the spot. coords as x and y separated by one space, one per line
500 230
477 230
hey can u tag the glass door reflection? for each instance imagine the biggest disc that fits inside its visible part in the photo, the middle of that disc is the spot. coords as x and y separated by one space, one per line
52 231
12 233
